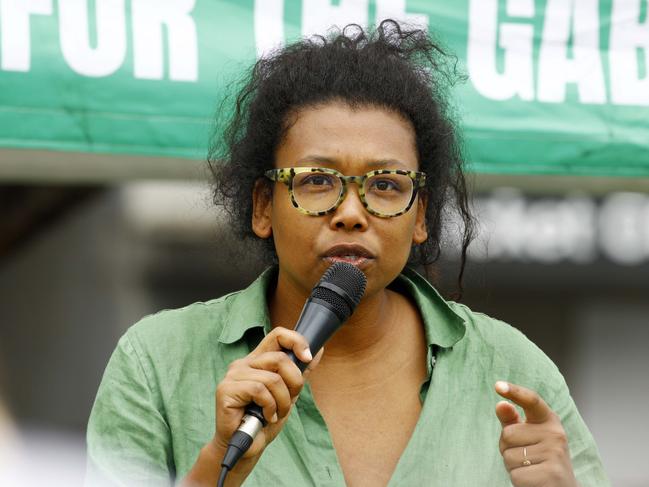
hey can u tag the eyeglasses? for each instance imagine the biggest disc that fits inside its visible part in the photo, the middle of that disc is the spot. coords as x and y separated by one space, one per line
317 190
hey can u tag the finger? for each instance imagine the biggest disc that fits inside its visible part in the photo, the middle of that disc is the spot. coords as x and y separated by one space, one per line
281 338
521 434
292 376
274 383
531 476
314 363
233 396
507 413
536 409
515 457
280 363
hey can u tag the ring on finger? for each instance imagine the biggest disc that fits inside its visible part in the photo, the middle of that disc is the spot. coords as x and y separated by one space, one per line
526 461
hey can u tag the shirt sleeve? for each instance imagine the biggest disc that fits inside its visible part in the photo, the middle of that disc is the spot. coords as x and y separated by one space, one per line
128 438
586 462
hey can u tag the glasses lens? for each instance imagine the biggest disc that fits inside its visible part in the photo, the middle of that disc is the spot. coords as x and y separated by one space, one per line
388 193
316 191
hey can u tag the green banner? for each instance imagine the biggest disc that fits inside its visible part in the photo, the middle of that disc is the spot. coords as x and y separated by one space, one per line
555 86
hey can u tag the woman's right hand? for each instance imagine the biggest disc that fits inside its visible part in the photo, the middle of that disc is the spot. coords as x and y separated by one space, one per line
267 377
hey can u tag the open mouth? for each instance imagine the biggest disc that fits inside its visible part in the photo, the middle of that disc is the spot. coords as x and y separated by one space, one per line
353 254
352 259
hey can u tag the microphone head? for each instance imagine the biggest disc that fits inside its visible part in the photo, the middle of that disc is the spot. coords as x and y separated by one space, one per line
342 286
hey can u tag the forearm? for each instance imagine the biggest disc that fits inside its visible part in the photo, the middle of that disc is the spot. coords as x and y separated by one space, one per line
206 470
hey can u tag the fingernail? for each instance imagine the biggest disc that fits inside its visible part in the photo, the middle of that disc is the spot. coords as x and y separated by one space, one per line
307 353
274 418
502 386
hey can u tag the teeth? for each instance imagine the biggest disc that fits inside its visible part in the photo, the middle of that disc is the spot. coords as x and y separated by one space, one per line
350 257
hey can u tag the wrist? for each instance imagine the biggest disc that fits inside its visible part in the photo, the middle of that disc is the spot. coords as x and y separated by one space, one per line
207 467
215 451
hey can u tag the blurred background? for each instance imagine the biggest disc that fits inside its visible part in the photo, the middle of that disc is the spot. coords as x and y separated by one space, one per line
105 116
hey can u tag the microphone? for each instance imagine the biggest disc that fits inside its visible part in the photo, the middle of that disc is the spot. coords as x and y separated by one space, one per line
332 301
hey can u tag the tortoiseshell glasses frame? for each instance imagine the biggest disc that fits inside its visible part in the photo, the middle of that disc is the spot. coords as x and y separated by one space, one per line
287 176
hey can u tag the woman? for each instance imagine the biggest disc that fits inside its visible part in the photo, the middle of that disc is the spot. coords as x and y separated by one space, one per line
404 394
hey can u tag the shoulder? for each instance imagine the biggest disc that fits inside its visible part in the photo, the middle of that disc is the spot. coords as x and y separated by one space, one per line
478 340
159 346
492 332
164 346
220 320
198 321
508 350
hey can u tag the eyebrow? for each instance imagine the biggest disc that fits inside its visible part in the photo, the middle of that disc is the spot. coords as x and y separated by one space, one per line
375 163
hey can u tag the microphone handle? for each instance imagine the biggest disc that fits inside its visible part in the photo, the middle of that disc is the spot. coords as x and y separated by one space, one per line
316 323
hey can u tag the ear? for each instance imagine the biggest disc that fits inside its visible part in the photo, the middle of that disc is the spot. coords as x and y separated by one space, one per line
420 234
262 204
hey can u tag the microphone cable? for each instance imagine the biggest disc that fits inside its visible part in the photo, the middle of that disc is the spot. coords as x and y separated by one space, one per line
238 445
224 474
331 303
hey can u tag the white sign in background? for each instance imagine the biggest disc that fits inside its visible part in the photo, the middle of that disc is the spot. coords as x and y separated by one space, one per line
148 20
575 228
569 50
560 62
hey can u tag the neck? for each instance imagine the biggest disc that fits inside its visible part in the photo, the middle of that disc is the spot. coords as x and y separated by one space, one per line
365 335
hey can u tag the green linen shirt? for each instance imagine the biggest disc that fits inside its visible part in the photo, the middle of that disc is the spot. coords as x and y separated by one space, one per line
155 407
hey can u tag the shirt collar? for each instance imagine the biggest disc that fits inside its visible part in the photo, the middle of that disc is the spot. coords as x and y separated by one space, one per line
249 309
444 327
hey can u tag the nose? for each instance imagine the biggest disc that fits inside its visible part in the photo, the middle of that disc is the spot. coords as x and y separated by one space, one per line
351 214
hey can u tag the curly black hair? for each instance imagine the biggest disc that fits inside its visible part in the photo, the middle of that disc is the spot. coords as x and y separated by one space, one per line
393 67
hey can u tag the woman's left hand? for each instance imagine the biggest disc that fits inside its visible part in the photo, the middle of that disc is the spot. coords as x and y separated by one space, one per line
535 450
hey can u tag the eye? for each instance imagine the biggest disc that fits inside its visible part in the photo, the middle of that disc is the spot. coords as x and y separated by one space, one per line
385 184
318 179
315 182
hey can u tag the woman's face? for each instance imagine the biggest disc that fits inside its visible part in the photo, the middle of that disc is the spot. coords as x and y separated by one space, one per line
354 142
